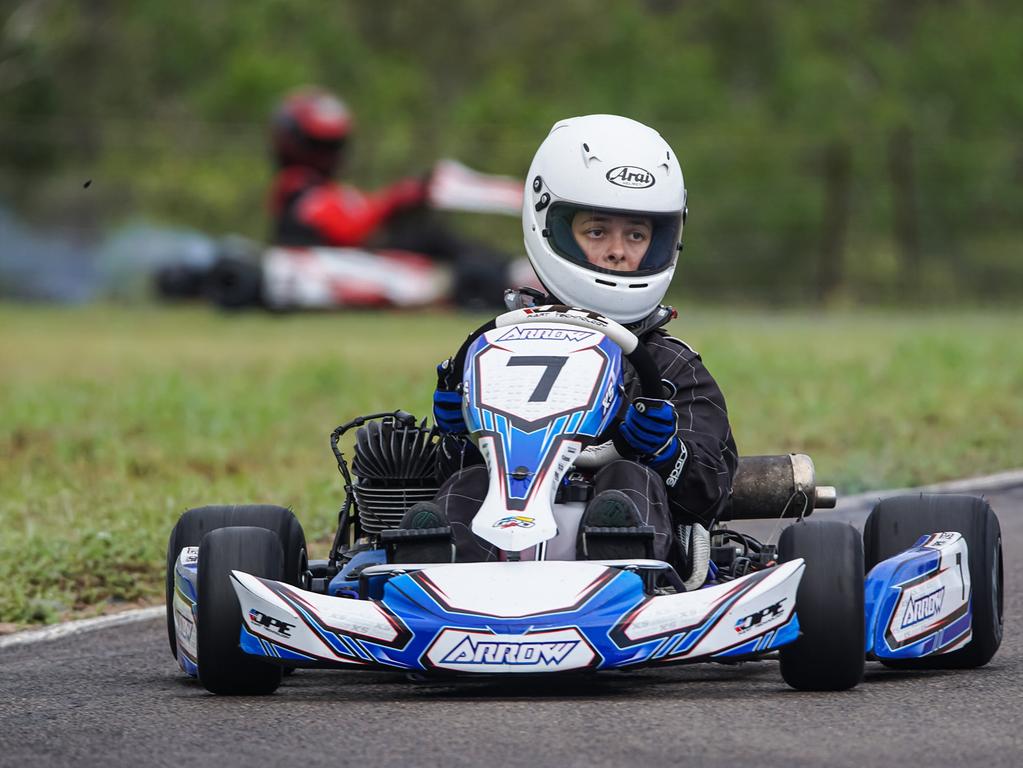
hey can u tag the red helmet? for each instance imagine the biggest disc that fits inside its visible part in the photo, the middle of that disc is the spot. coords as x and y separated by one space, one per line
309 129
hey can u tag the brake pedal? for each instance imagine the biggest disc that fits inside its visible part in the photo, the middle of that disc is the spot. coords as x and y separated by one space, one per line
625 543
419 545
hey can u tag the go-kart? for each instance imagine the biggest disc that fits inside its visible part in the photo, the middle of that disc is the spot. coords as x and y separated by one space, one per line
541 388
234 273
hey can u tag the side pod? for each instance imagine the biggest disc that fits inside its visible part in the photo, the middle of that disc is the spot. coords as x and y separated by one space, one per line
917 603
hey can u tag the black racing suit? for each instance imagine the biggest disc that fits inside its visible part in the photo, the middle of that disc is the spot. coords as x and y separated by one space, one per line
693 489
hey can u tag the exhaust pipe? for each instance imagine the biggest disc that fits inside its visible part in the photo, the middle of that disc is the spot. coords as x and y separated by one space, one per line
777 486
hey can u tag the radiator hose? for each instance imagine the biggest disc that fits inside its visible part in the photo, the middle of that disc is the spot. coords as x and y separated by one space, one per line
696 542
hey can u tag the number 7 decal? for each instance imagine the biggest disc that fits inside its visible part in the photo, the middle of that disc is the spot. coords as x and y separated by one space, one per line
551 363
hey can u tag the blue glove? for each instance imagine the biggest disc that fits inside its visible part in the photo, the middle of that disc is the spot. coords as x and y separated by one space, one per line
447 405
649 430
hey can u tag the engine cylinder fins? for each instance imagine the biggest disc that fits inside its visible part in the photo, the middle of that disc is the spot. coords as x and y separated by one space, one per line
381 509
385 450
395 467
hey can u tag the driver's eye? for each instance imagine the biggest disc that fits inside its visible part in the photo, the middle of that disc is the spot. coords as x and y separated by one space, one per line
595 231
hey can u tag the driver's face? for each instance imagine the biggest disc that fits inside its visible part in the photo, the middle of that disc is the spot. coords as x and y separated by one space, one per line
611 240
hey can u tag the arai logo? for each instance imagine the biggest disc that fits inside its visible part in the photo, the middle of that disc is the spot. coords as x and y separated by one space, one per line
489 652
630 176
924 607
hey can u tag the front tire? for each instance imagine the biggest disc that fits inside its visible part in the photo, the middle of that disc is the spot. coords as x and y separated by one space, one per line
235 283
897 523
829 654
224 668
196 523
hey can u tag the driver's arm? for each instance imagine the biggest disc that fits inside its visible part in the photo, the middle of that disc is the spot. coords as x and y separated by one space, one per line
699 477
345 217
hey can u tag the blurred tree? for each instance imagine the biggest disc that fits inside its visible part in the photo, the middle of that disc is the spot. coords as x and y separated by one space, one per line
852 150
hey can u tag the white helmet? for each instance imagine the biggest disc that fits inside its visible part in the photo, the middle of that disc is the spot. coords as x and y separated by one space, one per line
617 166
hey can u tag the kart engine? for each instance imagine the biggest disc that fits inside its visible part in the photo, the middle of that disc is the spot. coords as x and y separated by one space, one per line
395 467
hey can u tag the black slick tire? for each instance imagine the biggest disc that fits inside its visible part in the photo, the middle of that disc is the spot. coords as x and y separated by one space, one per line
197 522
897 523
829 655
223 667
234 283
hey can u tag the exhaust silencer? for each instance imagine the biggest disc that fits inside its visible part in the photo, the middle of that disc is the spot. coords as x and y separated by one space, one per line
777 486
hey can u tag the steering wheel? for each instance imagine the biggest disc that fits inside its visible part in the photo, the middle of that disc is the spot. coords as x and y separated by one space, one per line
637 355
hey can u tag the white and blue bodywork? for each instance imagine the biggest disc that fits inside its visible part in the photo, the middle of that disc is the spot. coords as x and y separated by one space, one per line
918 603
554 616
186 609
537 393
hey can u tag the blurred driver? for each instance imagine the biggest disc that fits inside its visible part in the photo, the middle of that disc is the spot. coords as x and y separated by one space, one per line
310 133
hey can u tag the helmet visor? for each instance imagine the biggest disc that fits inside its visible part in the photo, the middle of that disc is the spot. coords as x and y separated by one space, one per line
614 241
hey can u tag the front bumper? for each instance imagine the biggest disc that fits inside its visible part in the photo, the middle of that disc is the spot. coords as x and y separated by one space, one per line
517 618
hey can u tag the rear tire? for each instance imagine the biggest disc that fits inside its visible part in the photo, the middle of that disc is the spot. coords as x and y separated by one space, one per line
224 668
897 523
829 654
235 283
196 523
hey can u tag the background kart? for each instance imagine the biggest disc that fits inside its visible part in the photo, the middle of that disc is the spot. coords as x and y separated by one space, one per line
244 601
233 273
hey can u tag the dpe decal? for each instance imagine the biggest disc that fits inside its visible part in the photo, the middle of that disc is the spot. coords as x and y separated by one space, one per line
276 626
763 616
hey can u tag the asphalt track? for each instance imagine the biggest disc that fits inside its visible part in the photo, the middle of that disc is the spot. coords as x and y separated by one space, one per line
114 697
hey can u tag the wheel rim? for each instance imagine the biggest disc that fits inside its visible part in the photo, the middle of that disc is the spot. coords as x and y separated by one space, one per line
996 581
303 566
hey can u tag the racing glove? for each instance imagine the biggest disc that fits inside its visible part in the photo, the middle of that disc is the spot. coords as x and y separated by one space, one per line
447 403
649 429
406 194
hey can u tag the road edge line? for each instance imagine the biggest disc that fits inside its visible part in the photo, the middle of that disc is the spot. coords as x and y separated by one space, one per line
995 482
77 626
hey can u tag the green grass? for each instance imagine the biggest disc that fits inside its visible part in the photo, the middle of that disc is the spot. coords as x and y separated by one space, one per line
114 421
